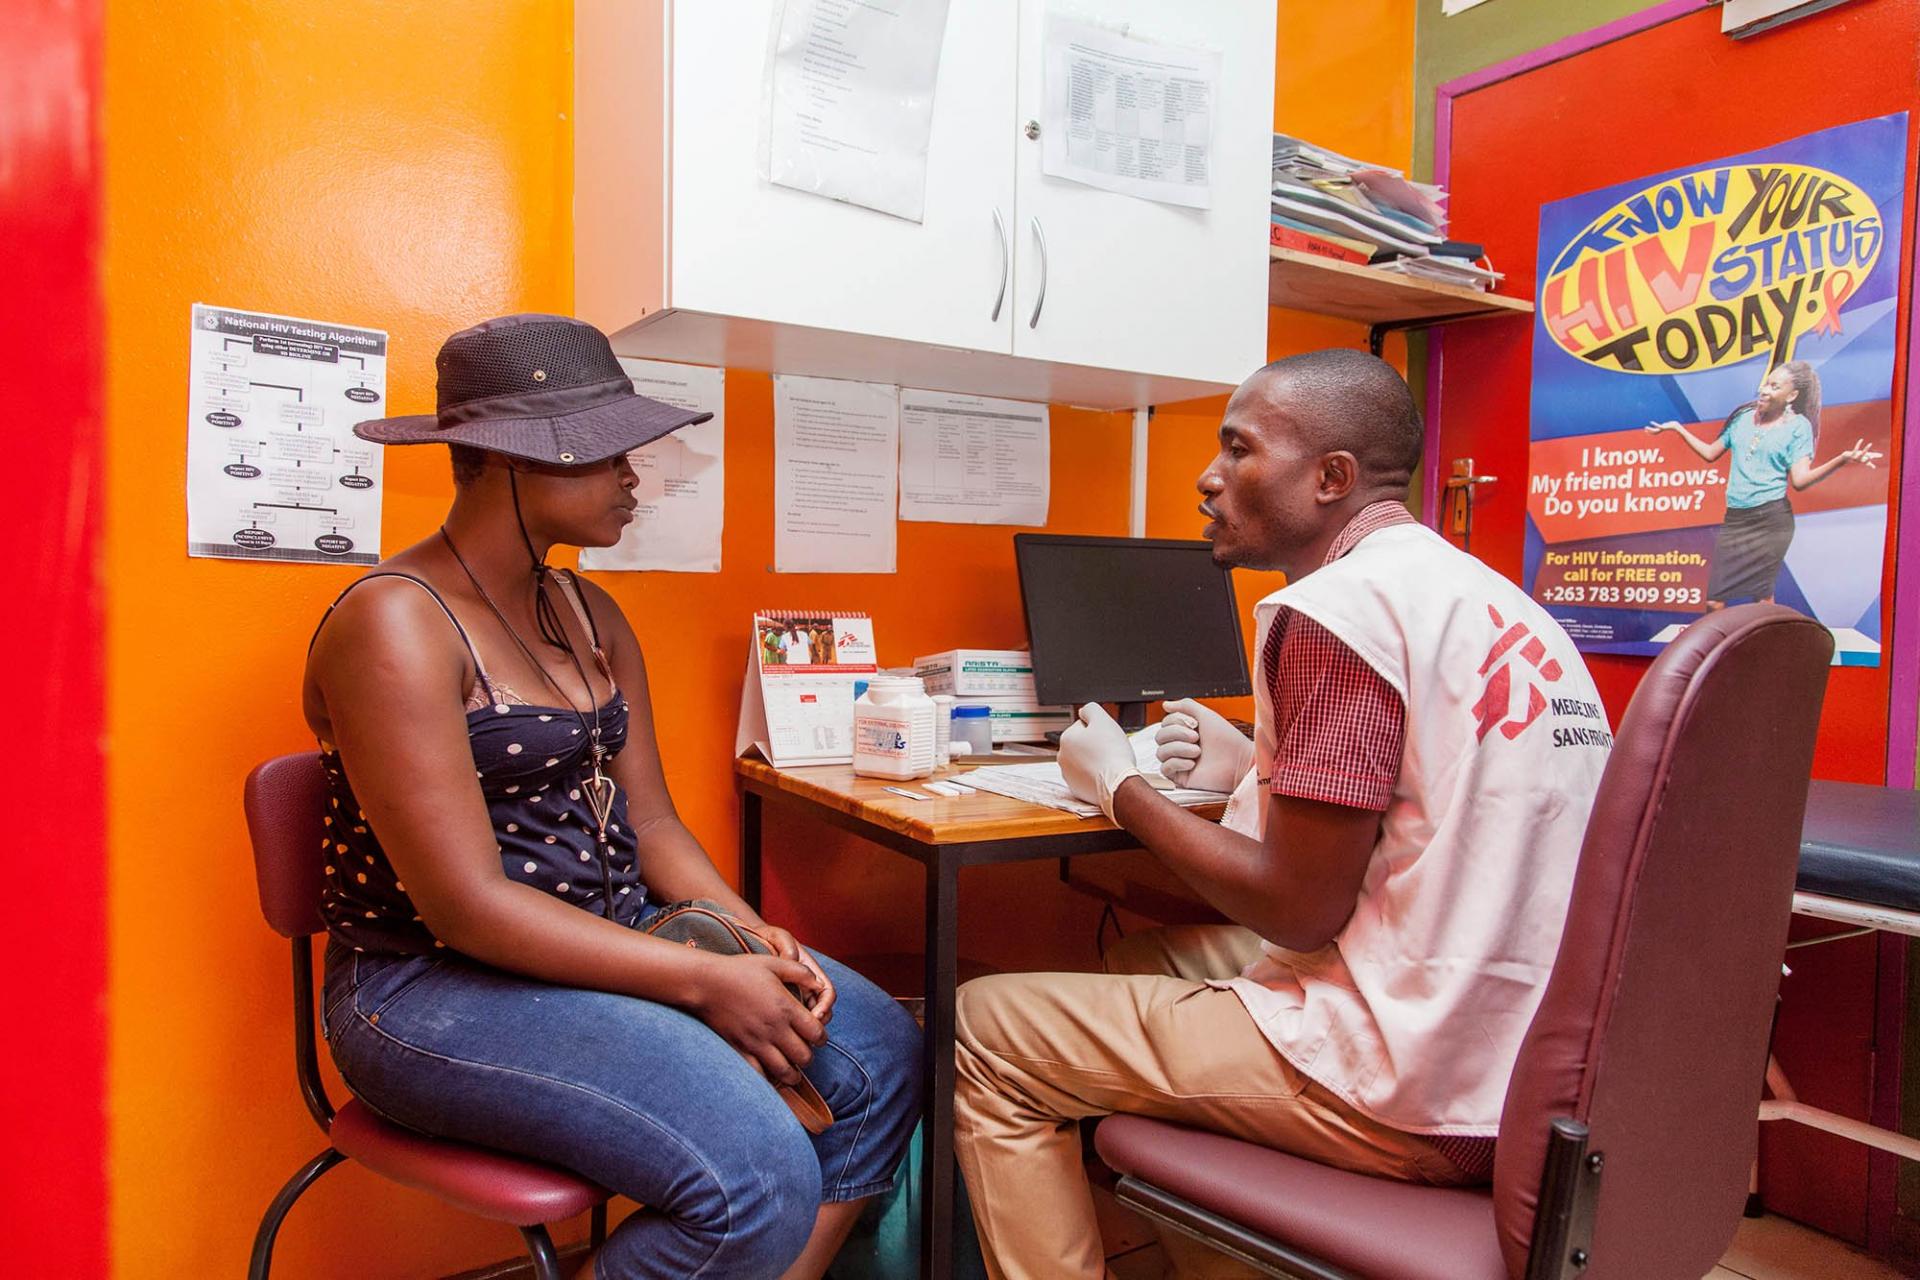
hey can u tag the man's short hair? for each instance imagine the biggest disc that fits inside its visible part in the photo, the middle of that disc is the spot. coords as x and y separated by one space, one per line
1350 400
468 463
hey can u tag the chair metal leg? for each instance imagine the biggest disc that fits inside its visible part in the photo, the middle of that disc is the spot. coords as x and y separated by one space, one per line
597 1226
309 1173
546 1261
1268 1257
1569 1191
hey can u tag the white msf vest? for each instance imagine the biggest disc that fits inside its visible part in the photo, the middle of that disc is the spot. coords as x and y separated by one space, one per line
1414 1013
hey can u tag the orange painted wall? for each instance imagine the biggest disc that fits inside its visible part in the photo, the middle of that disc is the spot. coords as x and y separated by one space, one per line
375 164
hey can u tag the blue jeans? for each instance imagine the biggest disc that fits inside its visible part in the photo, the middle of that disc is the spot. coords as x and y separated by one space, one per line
640 1097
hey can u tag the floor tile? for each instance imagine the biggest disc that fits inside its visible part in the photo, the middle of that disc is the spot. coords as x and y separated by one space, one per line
1772 1248
1144 1263
1767 1248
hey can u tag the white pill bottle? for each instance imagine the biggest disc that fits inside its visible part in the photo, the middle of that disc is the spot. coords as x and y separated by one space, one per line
893 729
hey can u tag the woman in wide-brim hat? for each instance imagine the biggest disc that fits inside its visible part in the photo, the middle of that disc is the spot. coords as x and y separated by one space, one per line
499 834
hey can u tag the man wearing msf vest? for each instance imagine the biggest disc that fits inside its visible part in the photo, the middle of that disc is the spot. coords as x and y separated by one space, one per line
1396 858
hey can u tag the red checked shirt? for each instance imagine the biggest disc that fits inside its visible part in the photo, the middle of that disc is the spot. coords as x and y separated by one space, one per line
1338 726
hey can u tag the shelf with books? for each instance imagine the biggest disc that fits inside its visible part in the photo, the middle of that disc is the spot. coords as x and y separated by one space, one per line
1303 281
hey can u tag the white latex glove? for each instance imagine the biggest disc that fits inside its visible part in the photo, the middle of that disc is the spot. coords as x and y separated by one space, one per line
1096 757
1198 747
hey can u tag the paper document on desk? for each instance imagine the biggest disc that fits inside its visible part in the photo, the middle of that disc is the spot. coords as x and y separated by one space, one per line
1043 784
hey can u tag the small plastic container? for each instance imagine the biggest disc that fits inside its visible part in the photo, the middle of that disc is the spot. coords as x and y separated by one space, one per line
942 730
893 729
972 730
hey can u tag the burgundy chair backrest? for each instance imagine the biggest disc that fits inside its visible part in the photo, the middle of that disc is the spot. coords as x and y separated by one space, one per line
286 804
1653 1027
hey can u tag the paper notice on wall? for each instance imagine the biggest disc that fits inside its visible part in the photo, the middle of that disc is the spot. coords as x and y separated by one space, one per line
274 471
836 461
972 459
682 490
1451 7
1129 115
1741 18
849 108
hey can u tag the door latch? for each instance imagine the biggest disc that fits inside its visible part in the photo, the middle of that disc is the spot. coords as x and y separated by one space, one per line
1459 499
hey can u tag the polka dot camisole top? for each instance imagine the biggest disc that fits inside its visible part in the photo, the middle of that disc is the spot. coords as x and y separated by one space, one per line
529 761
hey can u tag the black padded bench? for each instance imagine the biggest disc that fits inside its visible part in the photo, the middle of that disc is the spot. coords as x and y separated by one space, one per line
1861 844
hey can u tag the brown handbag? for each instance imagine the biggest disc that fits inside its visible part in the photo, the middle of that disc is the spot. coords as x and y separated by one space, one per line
707 926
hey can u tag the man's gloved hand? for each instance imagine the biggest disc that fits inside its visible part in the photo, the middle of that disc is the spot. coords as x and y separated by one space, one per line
1198 748
1095 757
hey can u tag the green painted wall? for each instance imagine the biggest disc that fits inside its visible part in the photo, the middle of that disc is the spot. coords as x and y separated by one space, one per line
1445 47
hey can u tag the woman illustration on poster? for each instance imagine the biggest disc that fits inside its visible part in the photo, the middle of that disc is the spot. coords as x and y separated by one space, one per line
1771 439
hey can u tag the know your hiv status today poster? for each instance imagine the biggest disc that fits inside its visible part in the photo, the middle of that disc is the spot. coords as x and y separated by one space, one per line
1712 392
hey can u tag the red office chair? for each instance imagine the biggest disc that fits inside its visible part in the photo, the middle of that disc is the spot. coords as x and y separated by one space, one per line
1628 1126
285 802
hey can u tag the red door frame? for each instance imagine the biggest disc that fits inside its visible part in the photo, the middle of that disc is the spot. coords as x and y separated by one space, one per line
53 912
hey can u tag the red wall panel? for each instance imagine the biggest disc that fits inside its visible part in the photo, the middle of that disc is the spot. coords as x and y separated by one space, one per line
1677 94
53 910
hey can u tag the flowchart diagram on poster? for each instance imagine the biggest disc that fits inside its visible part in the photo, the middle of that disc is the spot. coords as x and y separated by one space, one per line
274 471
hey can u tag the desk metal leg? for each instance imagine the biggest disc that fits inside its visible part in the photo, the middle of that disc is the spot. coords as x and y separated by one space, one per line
936 1072
750 848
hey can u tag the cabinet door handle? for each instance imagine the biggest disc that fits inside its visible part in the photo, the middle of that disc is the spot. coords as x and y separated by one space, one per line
1040 238
1006 263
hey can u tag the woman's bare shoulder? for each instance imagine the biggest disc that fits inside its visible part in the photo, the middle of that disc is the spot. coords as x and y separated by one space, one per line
390 617
383 639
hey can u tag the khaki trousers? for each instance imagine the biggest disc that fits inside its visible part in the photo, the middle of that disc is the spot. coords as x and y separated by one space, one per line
1036 1053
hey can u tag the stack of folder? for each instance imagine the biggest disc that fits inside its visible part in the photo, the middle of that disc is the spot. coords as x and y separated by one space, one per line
1338 207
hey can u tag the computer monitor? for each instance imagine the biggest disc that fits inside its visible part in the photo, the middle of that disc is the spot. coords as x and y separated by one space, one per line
1130 621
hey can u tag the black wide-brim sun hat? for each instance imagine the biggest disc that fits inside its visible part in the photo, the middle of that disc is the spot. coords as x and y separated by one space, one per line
544 388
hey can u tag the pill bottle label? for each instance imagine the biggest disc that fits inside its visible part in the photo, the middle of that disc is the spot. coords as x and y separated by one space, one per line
876 737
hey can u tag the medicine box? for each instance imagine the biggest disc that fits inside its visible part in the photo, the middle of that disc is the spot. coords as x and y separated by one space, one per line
1018 719
1027 723
972 673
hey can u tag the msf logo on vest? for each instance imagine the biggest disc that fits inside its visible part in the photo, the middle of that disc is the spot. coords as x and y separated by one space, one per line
1518 658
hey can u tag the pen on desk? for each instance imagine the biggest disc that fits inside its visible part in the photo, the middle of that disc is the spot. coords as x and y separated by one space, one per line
902 791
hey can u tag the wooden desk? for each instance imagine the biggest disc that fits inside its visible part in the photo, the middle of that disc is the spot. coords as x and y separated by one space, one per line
943 835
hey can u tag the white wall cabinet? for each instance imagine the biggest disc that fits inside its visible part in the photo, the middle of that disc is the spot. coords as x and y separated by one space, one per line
684 252
1136 284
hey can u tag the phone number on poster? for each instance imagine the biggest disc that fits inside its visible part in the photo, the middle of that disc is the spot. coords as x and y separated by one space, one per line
1621 595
